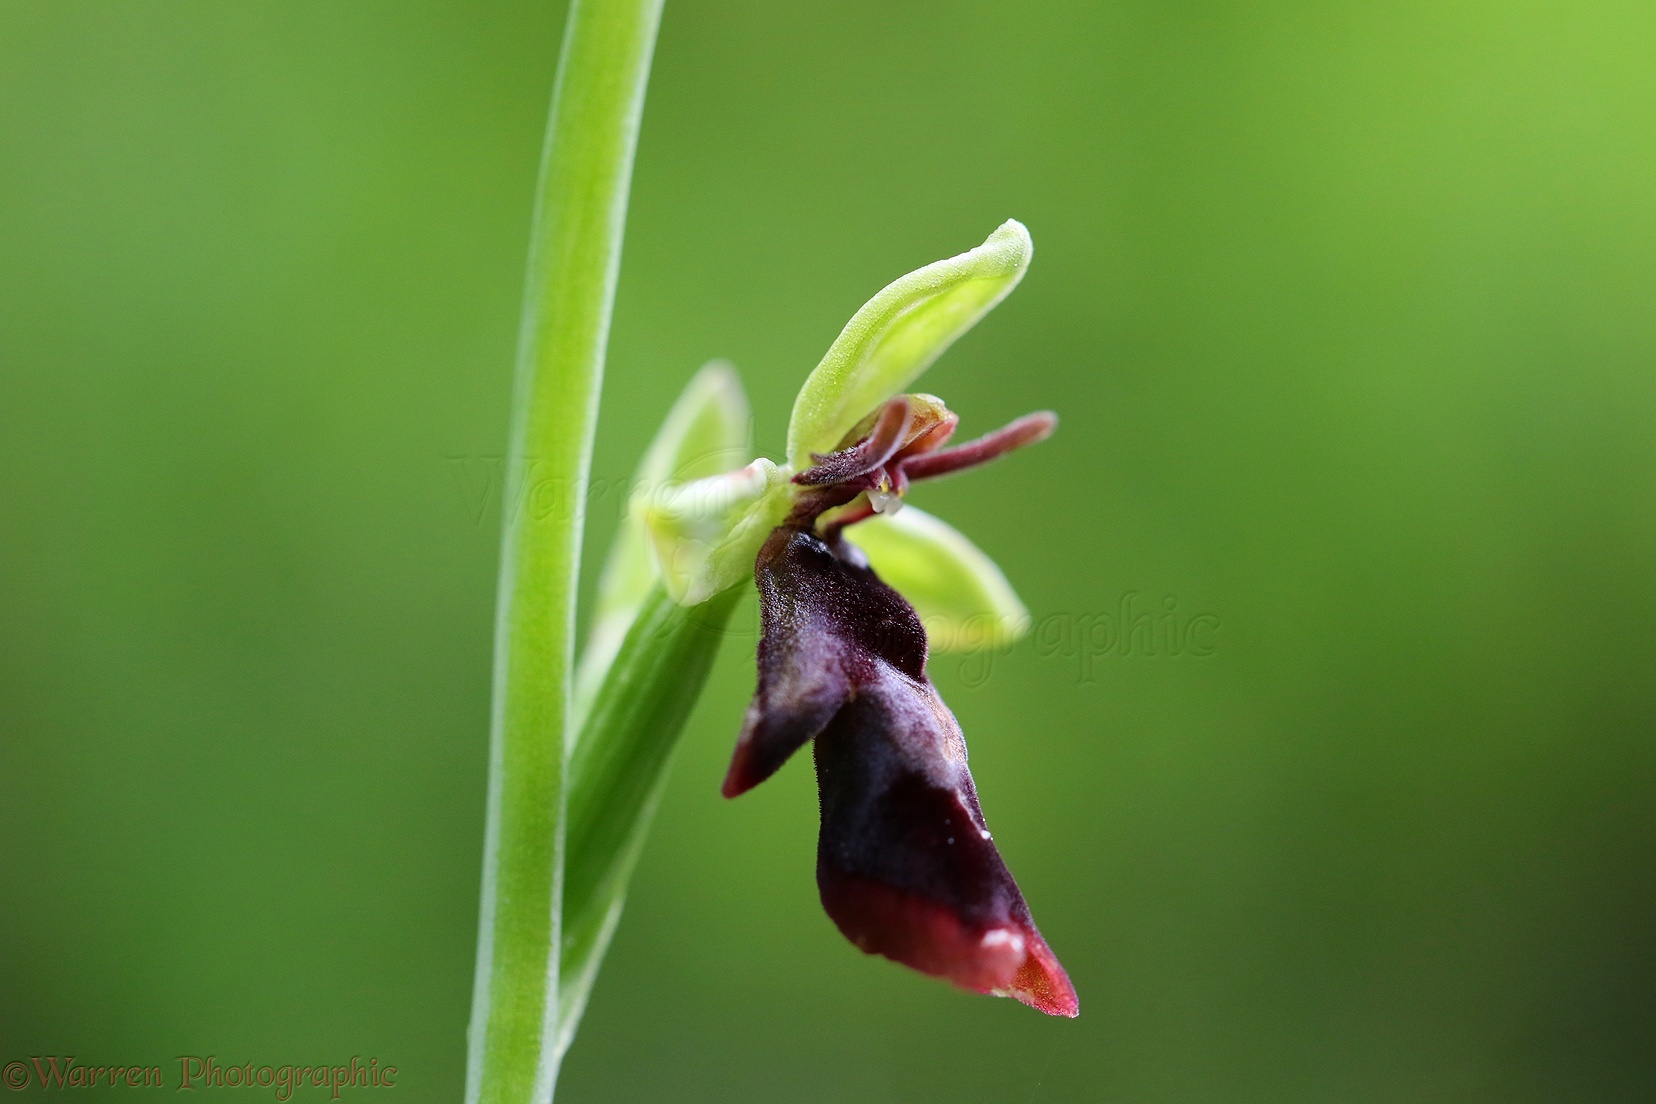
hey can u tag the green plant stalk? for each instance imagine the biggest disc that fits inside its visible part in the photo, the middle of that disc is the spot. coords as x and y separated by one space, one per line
574 260
620 768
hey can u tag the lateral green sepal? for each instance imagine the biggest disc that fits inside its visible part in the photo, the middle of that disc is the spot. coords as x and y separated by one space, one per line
705 433
962 597
706 533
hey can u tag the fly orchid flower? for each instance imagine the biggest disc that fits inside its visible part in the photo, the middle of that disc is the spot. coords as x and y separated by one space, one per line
906 865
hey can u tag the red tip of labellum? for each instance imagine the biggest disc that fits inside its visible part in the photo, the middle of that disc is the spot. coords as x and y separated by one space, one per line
1042 983
1012 961
741 777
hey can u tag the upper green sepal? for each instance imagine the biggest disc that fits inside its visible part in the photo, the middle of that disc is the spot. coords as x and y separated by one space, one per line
962 598
899 333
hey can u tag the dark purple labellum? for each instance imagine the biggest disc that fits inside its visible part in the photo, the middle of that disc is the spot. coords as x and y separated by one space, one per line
905 863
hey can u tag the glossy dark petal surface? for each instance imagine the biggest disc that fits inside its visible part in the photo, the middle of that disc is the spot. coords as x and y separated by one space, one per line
905 863
826 622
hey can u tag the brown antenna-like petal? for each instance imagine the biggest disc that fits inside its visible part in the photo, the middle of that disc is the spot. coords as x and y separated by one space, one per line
866 455
1026 430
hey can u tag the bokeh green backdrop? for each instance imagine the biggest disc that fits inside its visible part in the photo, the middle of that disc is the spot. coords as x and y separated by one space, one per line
1350 314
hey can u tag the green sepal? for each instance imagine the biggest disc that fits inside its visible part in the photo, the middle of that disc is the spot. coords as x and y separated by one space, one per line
899 333
707 533
705 433
962 598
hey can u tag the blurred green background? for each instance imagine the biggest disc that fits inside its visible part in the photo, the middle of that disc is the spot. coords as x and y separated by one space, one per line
1350 314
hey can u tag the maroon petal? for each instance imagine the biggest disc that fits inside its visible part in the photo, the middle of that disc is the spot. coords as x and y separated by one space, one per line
905 863
866 455
906 427
1026 430
825 621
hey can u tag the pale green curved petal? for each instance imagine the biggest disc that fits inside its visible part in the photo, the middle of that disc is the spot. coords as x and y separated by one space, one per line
961 596
898 333
705 433
707 533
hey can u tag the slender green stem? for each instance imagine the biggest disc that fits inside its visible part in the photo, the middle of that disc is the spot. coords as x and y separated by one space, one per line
574 259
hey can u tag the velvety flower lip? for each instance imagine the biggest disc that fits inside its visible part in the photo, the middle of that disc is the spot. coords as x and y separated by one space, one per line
906 865
830 627
942 901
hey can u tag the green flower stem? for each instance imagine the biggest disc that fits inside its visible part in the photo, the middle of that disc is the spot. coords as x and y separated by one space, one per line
575 250
619 768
